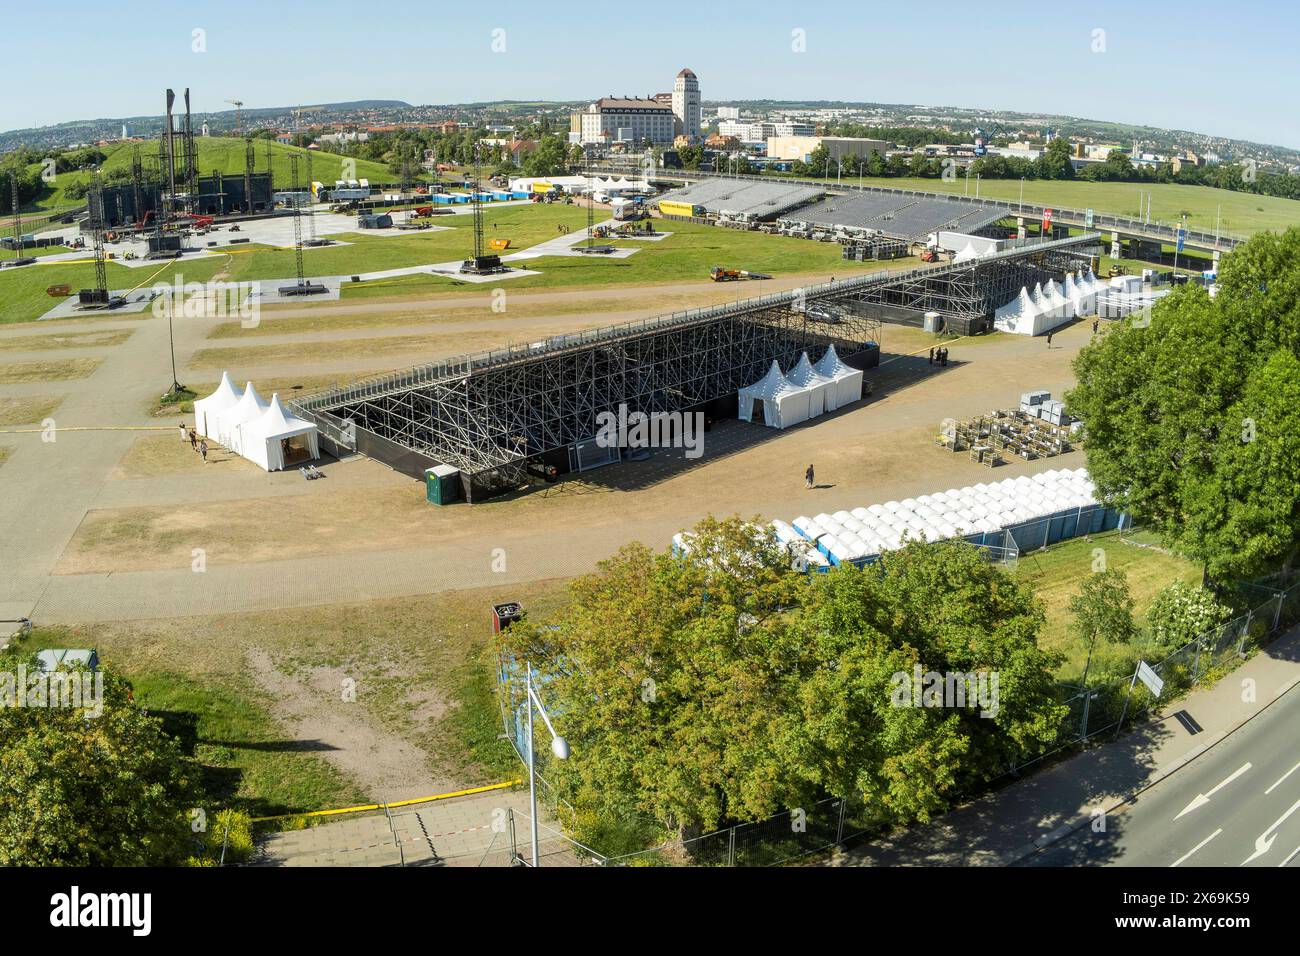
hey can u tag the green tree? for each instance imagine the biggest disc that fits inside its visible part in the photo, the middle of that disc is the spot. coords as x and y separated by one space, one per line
107 790
1194 421
548 159
724 687
1103 609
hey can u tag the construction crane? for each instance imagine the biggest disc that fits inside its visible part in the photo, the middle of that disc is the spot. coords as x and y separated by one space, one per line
983 138
239 116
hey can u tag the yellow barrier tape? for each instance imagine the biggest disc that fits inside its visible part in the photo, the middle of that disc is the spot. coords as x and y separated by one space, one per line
396 803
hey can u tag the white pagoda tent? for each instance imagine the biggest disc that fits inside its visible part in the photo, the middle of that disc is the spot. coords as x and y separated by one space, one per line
848 380
207 411
277 440
822 390
783 403
231 421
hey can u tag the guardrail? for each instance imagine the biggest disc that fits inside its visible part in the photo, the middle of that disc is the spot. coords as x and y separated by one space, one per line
463 365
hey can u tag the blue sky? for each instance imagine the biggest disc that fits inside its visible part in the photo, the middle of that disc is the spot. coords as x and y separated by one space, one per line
1221 68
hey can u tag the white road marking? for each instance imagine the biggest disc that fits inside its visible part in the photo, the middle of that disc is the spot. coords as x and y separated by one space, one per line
1195 848
1293 855
1281 778
1201 799
1264 842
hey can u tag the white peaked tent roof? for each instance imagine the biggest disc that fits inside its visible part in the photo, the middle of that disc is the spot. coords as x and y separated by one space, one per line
1017 315
250 406
275 422
225 396
772 385
784 403
805 374
822 388
848 380
830 365
1068 288
1041 302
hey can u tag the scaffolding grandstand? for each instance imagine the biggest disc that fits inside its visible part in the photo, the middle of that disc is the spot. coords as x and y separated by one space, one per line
492 414
745 197
898 217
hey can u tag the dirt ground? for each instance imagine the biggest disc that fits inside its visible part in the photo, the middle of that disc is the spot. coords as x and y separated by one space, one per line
880 449
166 454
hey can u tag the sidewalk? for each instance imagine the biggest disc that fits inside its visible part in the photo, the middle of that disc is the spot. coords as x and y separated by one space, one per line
466 831
1004 827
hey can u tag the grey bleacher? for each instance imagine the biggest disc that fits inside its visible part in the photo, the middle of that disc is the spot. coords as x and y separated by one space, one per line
761 200
899 217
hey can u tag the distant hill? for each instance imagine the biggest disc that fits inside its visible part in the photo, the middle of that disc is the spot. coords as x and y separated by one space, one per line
222 121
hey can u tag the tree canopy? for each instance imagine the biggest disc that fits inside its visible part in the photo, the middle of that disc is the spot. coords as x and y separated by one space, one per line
723 687
1194 421
78 790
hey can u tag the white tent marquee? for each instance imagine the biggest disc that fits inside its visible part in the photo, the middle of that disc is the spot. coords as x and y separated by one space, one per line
277 440
822 390
848 380
1018 315
967 254
784 403
231 421
207 411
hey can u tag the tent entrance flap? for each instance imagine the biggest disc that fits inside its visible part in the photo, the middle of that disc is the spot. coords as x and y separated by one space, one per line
296 450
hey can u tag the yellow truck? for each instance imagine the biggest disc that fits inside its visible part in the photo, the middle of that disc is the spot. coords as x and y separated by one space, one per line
671 207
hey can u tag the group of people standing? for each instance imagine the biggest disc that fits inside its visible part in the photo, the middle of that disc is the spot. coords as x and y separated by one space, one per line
939 356
200 445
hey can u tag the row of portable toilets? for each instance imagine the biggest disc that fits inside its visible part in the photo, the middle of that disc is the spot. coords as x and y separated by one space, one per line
1006 517
1013 515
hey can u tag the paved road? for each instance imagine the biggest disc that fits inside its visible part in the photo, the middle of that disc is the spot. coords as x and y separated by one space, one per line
1237 804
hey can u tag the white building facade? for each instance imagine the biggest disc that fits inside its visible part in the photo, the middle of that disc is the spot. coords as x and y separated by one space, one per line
686 103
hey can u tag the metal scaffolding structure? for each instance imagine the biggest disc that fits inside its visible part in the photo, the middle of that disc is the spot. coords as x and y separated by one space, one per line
490 414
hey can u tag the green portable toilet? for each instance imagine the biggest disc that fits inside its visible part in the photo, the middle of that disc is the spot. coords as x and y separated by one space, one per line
442 484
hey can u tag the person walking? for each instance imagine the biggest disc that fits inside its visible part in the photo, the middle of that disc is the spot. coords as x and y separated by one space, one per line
1095 323
930 361
808 477
1049 340
203 450
944 352
194 440
184 433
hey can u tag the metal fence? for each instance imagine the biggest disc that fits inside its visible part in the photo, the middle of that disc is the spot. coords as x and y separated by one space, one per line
1104 708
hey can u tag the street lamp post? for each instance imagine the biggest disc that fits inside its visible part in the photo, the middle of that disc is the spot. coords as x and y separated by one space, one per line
559 747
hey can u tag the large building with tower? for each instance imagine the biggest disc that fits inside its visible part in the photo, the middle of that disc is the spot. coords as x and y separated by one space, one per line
634 120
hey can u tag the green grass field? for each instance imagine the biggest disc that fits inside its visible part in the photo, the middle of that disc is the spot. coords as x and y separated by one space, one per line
1057 573
1240 213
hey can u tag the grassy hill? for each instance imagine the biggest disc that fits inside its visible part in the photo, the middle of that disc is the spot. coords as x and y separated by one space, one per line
224 154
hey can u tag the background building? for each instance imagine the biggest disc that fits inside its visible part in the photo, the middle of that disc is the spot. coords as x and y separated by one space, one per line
627 120
686 103
839 147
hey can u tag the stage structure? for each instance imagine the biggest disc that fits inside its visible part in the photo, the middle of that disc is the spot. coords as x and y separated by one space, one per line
493 414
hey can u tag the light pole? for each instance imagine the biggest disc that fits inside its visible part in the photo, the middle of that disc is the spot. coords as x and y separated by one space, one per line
559 747
1022 194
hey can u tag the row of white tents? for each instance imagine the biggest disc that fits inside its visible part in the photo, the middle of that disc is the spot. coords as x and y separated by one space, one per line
972 512
1051 305
1004 517
805 392
261 431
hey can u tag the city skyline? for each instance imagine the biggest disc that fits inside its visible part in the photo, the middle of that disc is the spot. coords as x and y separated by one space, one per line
1206 71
